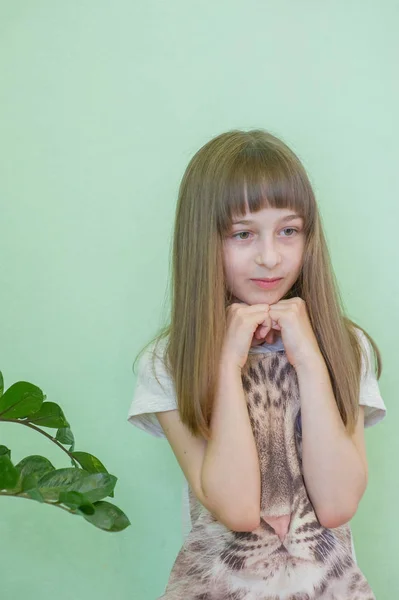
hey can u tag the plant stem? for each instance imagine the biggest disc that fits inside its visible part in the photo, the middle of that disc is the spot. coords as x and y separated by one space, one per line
43 502
50 437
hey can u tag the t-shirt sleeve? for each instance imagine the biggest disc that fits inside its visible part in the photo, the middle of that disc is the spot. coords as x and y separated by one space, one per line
150 396
370 396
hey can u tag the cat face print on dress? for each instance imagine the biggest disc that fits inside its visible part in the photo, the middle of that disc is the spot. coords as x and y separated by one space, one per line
290 556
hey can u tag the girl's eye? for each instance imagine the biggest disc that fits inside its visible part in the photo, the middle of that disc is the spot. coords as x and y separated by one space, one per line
285 229
240 233
290 229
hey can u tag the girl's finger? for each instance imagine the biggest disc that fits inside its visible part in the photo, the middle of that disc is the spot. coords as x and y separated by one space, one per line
270 337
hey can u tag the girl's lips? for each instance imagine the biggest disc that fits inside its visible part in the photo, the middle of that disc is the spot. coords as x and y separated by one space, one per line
266 284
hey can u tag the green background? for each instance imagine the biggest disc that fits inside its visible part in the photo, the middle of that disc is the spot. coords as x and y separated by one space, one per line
102 105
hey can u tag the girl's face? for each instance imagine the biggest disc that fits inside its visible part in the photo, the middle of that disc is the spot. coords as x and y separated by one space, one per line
269 245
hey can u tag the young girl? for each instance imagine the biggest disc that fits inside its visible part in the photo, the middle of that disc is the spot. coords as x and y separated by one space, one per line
262 388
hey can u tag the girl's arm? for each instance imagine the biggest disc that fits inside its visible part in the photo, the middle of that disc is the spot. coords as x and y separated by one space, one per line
224 473
334 463
230 471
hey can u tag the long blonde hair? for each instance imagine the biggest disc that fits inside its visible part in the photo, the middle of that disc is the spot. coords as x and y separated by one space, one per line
211 194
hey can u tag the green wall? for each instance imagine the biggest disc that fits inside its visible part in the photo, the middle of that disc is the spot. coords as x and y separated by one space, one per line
102 104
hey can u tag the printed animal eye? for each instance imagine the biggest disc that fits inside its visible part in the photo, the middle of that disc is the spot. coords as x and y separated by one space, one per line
298 424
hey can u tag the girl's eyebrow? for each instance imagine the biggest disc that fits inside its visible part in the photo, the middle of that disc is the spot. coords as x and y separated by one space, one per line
251 222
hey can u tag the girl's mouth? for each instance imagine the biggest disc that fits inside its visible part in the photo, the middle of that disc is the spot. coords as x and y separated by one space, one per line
262 283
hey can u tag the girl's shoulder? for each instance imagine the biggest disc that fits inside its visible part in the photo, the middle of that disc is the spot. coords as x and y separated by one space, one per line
370 397
154 390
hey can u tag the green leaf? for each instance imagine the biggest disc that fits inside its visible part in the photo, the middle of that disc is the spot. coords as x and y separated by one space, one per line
8 473
21 400
1 384
76 500
87 509
50 415
72 499
65 436
108 517
94 486
31 469
34 493
52 484
89 463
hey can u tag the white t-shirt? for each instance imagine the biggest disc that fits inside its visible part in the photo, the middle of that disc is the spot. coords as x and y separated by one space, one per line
149 397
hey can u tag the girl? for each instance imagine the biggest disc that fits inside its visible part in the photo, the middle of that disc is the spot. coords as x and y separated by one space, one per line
260 383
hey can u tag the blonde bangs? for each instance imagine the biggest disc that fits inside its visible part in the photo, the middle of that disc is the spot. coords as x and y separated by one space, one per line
263 176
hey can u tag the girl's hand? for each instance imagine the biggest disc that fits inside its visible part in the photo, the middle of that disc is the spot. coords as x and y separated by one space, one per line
291 317
243 320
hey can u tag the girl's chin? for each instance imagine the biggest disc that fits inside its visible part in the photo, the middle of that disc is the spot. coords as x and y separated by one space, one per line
265 297
262 297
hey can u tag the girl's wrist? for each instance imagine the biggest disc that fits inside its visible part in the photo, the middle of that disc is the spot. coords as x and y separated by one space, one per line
228 365
310 363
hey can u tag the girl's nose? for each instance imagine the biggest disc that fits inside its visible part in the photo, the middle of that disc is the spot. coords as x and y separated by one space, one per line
268 255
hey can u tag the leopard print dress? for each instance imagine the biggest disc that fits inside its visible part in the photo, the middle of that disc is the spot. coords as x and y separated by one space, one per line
299 559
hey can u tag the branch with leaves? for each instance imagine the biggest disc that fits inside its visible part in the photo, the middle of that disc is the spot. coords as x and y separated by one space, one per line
80 489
